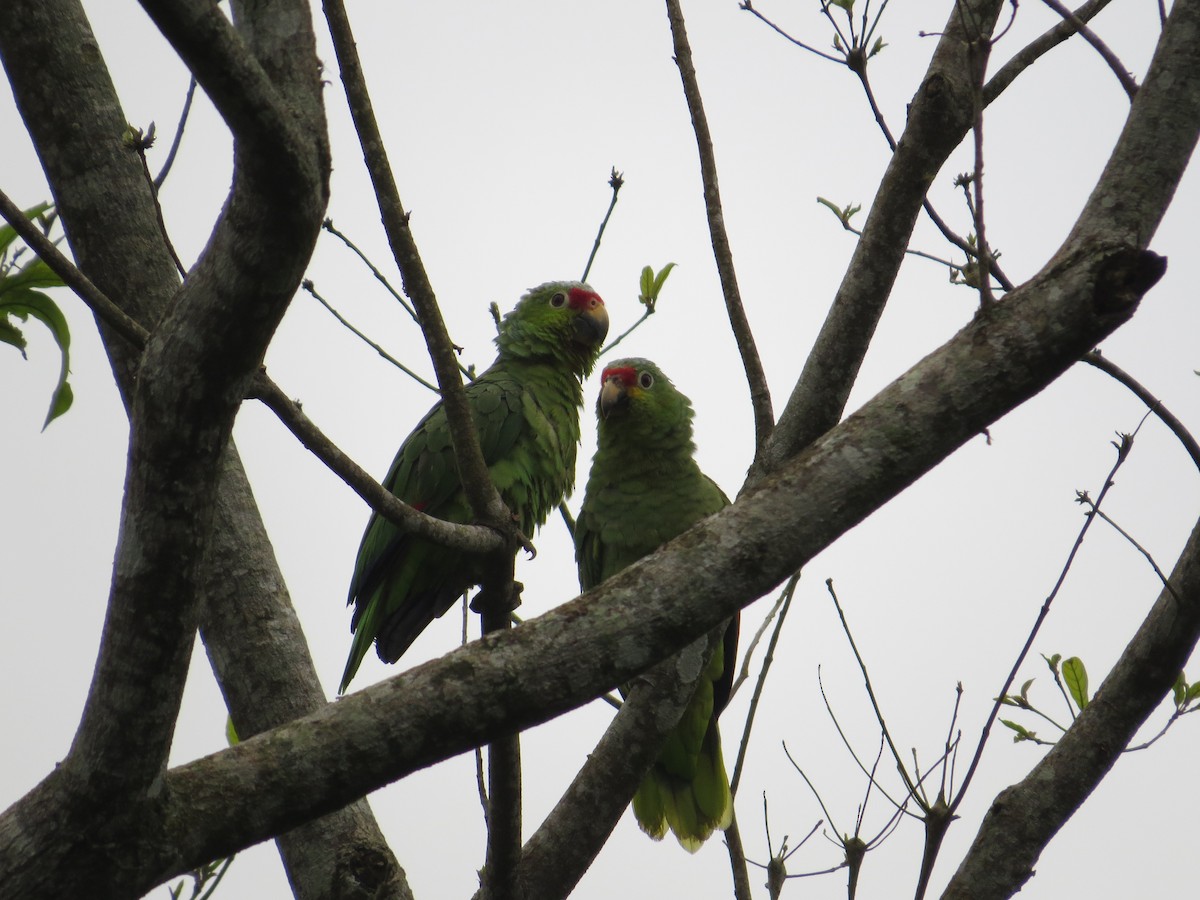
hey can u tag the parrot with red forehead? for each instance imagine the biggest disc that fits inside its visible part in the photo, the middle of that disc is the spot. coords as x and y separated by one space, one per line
644 489
526 410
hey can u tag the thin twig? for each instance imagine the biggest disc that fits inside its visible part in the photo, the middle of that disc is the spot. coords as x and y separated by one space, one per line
870 691
467 538
308 286
140 143
484 500
1039 47
366 260
624 334
760 393
748 7
786 597
178 139
1104 364
96 299
615 180
1142 550
737 861
1123 76
1122 455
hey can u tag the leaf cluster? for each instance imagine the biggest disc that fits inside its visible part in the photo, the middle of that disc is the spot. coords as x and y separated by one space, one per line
21 297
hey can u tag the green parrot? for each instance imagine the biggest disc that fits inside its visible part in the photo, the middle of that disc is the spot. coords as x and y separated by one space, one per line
526 409
644 489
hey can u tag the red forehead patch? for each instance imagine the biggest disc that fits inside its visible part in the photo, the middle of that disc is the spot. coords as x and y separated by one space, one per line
627 375
580 299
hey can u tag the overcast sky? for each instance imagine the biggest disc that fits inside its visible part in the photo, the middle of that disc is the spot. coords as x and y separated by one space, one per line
502 122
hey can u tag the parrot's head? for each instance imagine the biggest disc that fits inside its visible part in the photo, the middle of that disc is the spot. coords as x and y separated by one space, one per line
562 320
636 398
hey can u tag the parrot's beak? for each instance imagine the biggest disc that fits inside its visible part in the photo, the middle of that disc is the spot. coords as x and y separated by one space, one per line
591 325
612 395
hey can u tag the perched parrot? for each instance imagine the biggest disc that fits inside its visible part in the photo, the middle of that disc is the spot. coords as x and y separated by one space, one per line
526 409
644 489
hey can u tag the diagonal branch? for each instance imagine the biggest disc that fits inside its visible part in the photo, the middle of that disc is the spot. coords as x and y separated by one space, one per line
485 500
940 115
760 393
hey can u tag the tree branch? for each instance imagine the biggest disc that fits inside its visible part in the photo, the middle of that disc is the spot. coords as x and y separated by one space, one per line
484 499
647 612
760 393
1025 817
939 116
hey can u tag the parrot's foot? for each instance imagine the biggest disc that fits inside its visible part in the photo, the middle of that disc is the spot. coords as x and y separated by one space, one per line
510 603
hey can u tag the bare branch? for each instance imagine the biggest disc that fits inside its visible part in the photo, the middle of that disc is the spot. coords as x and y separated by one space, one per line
1118 69
477 483
1104 364
468 538
760 393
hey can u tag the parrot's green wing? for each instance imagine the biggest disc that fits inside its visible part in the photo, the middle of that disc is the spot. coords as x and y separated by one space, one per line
402 583
644 489
526 411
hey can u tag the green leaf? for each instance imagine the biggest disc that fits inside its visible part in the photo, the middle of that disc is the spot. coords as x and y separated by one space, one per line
23 303
646 285
661 278
1179 690
1193 692
1022 733
1025 689
231 734
1052 661
34 275
11 334
1075 675
876 47
8 234
651 285
847 5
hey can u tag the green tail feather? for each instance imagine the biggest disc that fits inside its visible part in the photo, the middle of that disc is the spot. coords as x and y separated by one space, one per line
693 808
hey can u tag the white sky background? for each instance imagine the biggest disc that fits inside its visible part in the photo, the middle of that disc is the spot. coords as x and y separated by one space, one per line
502 122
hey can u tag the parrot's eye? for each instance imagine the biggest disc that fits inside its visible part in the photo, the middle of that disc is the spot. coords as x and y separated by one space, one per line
559 300
646 380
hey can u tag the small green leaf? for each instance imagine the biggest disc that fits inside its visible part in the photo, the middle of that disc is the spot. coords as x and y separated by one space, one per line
1075 675
1022 733
1179 690
847 5
651 285
646 284
8 234
23 303
876 47
1025 689
231 734
661 278
1193 692
11 334
1052 661
34 275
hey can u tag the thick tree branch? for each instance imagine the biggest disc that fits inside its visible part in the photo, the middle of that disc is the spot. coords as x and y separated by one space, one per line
653 609
561 850
760 393
252 633
193 373
939 116
266 673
